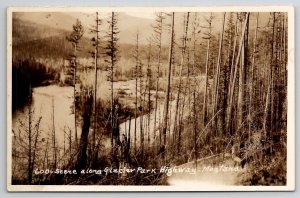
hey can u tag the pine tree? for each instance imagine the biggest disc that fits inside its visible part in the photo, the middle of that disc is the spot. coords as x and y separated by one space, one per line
112 57
95 54
74 38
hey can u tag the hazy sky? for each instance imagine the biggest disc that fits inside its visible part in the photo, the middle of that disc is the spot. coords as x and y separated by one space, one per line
148 15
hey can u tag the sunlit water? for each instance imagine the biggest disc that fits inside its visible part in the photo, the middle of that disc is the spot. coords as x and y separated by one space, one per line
44 99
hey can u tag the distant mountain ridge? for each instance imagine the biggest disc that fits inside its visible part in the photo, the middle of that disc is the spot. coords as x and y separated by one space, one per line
37 40
62 22
44 33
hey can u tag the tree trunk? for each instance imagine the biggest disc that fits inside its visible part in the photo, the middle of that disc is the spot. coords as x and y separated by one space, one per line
242 100
75 119
160 25
217 76
136 91
29 171
149 95
206 73
96 80
87 112
180 75
141 108
166 109
112 83
232 69
53 137
195 128
232 86
270 80
251 83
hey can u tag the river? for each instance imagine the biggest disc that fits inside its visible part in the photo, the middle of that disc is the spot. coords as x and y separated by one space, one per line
61 97
44 98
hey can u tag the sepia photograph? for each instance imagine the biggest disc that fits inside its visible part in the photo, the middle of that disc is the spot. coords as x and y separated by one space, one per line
150 99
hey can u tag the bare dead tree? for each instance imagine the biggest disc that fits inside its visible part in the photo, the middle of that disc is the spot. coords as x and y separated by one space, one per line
30 170
136 90
158 29
45 160
95 42
183 51
217 75
269 82
208 38
149 80
54 149
70 145
195 128
232 67
251 83
231 92
167 99
241 104
141 107
195 33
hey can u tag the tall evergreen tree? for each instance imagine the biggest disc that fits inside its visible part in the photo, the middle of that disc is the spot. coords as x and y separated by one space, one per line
112 57
95 54
74 38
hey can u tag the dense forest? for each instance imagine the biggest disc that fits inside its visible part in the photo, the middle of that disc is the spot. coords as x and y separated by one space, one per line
204 89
